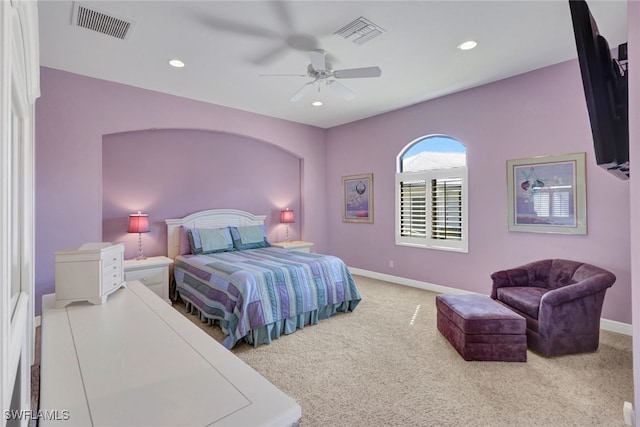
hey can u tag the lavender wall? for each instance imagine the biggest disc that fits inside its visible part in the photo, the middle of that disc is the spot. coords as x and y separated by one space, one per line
172 173
536 114
73 115
539 113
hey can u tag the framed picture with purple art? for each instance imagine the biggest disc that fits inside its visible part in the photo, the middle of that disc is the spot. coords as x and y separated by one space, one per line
357 198
547 194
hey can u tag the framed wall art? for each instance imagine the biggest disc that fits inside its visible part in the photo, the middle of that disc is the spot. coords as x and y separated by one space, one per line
357 198
547 194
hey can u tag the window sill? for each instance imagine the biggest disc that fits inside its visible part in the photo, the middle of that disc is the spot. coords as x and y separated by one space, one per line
438 248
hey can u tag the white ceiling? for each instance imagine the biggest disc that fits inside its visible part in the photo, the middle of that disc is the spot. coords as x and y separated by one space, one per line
228 45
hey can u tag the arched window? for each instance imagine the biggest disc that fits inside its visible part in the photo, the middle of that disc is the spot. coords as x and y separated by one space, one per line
431 194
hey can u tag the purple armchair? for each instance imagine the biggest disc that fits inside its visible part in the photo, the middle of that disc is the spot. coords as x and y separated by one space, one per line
561 301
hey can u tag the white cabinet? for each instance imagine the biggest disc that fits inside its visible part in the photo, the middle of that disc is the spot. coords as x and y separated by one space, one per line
89 273
297 245
112 365
153 272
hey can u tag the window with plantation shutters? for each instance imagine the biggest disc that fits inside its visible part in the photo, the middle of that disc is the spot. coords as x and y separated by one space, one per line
431 196
413 208
446 209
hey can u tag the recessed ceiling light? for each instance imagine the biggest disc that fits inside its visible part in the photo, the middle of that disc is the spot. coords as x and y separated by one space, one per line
316 103
176 63
467 45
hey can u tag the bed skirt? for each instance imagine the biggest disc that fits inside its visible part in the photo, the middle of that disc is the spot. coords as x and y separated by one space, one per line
265 334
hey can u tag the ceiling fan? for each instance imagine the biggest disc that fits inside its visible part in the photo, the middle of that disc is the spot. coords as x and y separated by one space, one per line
322 73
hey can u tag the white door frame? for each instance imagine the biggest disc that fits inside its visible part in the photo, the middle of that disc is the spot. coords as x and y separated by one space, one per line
19 88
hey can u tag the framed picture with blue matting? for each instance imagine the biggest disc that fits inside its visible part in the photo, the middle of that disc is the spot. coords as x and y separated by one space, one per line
547 194
357 198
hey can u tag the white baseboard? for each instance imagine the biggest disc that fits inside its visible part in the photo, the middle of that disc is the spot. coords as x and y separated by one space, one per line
615 326
605 324
37 321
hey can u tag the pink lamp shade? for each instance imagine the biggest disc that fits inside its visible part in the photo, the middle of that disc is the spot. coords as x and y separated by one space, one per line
286 216
138 223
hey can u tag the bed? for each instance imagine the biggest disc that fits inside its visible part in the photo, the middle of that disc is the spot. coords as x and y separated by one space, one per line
226 271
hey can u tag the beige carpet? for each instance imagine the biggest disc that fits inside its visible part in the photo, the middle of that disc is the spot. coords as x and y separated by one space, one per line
386 364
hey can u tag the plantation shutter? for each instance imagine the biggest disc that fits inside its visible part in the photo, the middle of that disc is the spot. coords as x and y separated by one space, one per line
446 209
413 208
431 209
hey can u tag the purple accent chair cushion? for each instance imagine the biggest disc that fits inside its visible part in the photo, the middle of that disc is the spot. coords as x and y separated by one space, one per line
561 301
481 329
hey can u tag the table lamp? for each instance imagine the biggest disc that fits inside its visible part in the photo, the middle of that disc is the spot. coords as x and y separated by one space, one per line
139 223
287 217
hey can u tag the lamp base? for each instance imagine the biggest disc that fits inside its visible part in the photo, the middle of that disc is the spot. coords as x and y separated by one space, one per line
140 256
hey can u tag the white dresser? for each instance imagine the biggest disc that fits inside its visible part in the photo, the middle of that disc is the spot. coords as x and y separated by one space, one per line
136 361
89 273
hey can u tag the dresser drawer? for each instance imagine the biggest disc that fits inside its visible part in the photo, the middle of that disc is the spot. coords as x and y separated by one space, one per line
112 256
112 270
110 283
111 276
148 276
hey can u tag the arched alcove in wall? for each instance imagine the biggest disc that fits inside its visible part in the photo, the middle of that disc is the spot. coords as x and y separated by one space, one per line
171 173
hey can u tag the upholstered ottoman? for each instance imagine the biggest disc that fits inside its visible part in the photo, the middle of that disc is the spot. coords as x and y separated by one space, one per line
480 328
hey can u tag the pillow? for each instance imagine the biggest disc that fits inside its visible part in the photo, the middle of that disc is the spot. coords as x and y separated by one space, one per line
210 240
249 237
185 246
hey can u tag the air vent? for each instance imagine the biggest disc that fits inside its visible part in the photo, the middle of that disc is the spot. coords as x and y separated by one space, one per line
95 20
360 31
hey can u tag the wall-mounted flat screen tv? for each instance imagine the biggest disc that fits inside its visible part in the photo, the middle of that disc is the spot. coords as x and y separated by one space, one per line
605 87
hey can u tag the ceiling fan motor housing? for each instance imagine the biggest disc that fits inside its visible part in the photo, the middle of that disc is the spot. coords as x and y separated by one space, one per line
320 74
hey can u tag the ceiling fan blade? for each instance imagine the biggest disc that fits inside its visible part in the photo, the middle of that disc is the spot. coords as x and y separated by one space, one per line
271 56
281 9
318 61
283 75
353 73
238 28
341 90
302 92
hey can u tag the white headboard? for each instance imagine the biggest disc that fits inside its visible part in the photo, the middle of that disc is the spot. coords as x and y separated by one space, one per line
214 218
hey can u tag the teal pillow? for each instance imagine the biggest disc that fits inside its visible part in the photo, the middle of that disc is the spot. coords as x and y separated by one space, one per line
210 240
249 237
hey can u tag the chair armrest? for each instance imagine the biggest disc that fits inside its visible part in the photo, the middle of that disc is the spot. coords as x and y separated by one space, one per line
574 309
589 286
508 278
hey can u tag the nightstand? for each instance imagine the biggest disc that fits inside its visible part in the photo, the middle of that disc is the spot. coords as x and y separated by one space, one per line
297 245
153 272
